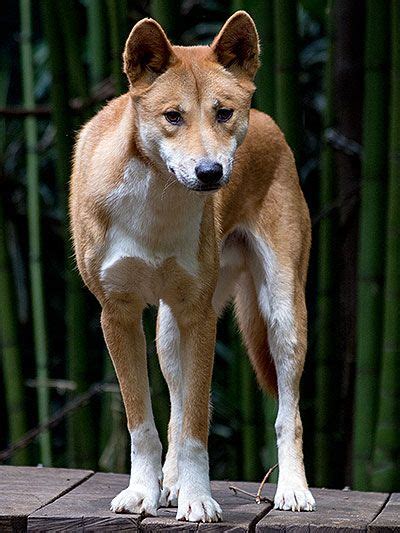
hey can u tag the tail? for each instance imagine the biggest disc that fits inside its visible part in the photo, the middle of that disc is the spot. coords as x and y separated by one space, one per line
255 334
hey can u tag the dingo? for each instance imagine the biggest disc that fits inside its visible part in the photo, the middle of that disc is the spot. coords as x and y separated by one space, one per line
182 196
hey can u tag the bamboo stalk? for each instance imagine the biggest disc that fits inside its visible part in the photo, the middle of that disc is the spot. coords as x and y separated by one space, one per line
82 424
248 406
117 14
77 79
33 208
80 441
10 353
97 44
11 360
371 247
263 15
325 337
167 13
386 468
287 109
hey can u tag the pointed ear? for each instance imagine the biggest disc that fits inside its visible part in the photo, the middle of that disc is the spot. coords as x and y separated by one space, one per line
237 46
148 53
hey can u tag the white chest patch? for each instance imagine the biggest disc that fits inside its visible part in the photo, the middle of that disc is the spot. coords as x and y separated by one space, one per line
151 220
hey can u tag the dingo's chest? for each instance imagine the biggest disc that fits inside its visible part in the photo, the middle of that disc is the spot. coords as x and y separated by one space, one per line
152 227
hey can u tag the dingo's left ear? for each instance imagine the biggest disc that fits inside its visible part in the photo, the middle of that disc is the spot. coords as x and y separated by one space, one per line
148 53
236 46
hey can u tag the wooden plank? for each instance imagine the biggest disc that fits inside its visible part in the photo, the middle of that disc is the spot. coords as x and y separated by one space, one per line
86 508
25 489
240 513
337 511
388 520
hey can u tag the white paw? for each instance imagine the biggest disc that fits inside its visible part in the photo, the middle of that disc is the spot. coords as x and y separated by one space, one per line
169 496
199 509
288 499
136 499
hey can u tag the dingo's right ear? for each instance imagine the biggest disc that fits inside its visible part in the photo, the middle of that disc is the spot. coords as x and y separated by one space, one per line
148 53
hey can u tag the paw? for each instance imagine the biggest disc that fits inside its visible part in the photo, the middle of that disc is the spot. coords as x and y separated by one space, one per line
169 496
136 499
199 509
288 499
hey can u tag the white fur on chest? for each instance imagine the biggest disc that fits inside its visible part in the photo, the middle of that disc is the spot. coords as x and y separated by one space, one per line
152 220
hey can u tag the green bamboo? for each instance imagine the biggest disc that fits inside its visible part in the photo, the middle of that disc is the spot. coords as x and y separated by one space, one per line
325 336
263 16
33 208
249 413
117 14
81 435
371 241
287 108
270 456
82 424
73 54
97 44
167 13
386 458
10 355
60 112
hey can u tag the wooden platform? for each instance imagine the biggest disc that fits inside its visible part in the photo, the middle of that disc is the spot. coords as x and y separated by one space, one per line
50 499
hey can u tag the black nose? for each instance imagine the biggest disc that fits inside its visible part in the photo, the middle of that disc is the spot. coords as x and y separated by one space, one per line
208 172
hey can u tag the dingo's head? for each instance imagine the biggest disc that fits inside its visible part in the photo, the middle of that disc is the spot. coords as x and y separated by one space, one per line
192 103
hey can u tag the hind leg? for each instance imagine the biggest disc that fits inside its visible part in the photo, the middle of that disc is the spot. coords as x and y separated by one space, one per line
281 300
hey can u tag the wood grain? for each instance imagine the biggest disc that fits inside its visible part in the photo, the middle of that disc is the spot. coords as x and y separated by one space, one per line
388 520
239 511
337 511
23 490
49 499
86 508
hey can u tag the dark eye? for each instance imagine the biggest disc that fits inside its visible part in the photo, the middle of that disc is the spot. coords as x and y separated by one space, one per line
223 115
173 117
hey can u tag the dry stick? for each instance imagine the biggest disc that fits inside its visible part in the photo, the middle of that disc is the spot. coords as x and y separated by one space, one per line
258 498
102 91
260 488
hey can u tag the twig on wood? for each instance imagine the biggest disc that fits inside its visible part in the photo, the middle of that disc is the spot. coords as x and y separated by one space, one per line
257 497
260 488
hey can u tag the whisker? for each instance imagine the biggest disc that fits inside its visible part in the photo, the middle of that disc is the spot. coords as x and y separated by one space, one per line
170 182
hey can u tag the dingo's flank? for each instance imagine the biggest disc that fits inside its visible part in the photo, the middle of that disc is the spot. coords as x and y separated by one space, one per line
183 197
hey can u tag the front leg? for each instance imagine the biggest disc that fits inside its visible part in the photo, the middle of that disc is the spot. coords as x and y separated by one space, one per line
122 327
195 502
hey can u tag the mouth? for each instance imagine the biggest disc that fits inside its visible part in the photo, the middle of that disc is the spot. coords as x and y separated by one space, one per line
206 188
